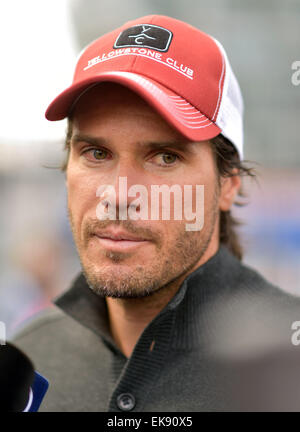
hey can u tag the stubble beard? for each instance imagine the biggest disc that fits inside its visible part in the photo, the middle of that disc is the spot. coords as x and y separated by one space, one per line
170 263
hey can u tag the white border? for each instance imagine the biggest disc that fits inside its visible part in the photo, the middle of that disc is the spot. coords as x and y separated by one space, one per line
29 401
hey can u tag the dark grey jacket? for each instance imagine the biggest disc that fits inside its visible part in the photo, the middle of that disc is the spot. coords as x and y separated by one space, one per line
223 342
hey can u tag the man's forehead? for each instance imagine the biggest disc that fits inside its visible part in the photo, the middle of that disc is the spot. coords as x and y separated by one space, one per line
183 144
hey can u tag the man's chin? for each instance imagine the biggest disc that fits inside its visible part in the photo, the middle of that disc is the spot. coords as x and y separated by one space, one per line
120 290
120 281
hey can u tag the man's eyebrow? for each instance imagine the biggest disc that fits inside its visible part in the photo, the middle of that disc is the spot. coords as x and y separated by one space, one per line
187 147
183 146
97 141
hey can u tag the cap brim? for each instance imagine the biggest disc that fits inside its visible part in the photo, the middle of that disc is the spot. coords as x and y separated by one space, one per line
183 116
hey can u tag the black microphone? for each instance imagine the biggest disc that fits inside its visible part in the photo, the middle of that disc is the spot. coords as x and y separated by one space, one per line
21 388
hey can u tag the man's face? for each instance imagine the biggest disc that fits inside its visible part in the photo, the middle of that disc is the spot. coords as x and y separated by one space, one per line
117 134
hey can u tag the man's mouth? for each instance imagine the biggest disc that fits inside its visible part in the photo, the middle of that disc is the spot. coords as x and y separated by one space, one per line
119 240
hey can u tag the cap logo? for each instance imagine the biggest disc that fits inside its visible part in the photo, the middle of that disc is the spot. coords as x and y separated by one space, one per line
146 36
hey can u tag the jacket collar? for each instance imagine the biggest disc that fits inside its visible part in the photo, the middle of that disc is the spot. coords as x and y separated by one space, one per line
188 305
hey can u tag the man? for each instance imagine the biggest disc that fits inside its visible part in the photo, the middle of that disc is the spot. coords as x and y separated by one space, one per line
164 316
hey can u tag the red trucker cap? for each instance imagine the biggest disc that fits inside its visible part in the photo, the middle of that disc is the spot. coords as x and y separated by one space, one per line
179 70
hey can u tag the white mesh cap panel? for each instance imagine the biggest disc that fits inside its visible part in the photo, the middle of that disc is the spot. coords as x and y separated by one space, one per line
230 115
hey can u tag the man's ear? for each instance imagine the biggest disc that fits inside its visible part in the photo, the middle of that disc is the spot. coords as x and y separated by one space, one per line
229 190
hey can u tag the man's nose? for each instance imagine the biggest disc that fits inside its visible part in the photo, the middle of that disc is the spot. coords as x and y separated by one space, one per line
126 175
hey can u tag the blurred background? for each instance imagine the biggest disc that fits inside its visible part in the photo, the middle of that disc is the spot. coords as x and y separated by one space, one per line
40 42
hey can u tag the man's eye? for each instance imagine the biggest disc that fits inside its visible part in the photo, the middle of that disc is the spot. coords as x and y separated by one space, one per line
95 154
99 154
167 158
